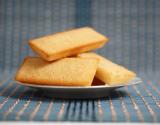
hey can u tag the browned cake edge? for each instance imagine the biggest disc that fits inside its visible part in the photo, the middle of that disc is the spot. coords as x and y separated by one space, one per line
18 70
67 52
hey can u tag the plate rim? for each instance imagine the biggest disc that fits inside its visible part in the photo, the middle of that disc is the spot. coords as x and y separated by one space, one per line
134 81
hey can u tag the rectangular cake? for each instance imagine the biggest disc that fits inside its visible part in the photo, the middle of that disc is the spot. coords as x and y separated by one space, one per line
68 43
64 72
109 72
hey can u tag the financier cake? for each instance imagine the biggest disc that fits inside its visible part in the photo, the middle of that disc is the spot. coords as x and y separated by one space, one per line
63 72
68 43
109 72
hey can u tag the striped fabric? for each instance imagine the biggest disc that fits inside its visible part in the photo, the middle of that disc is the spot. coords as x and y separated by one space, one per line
133 27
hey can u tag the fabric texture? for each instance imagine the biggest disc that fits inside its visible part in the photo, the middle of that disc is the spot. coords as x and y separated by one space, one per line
133 27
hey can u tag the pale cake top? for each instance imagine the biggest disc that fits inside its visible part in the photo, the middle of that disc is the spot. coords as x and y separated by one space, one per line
66 40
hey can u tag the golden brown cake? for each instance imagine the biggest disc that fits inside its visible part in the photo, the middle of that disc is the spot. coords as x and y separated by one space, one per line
64 72
109 72
68 43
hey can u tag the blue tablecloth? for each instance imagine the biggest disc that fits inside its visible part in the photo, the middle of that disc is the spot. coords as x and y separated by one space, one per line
133 27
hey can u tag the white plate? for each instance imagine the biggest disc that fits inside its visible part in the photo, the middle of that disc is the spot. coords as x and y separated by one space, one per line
79 91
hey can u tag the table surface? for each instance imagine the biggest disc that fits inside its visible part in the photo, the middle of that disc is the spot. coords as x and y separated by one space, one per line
73 123
133 29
